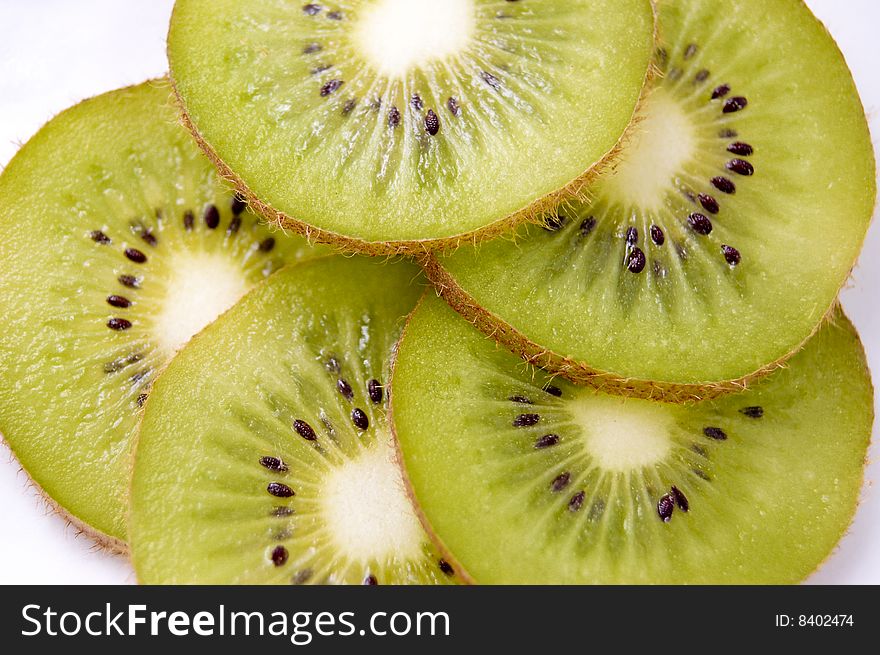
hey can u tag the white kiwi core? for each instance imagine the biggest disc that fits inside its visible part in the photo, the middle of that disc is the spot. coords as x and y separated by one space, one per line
367 510
202 287
662 142
623 439
397 36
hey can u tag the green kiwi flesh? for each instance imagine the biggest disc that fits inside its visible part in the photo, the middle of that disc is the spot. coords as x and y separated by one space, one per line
718 242
265 456
525 479
117 242
430 122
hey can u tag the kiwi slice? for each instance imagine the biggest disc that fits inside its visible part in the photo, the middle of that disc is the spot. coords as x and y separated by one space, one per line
429 122
117 243
265 455
721 238
571 485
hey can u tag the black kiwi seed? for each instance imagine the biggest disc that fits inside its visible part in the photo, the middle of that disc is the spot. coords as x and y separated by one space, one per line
416 102
118 324
273 464
335 15
99 237
279 490
304 430
701 474
393 117
555 223
312 48
547 441
740 148
491 80
332 365
674 74
724 185
118 301
741 167
279 556
588 225
731 255
141 399
709 203
715 433
302 577
576 501
690 51
212 216
374 389
665 507
370 580
701 76
149 238
239 204
330 87
311 9
359 418
560 482
130 281
680 499
526 420
320 69
453 106
234 226
446 567
636 261
727 133
720 91
753 412
553 390
632 236
700 224
189 220
344 388
135 255
432 123
281 511
140 375
737 103
657 235
349 106
522 400
267 244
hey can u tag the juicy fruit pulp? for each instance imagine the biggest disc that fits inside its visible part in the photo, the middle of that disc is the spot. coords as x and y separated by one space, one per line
402 110
264 455
570 485
721 237
117 243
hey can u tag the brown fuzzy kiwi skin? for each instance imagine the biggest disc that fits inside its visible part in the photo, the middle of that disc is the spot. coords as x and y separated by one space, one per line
447 554
103 541
537 212
579 373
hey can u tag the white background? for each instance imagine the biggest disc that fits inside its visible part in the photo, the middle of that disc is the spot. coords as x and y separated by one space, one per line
54 53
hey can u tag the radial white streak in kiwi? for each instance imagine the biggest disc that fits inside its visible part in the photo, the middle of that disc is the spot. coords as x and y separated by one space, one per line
397 36
661 144
368 514
203 286
623 434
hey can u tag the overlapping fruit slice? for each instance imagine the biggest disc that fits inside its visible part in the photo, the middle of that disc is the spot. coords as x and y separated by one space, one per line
117 243
385 124
265 454
720 239
528 479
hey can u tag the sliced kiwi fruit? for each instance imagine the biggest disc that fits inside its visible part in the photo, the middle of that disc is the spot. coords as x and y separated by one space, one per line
429 122
117 243
265 455
571 485
718 242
